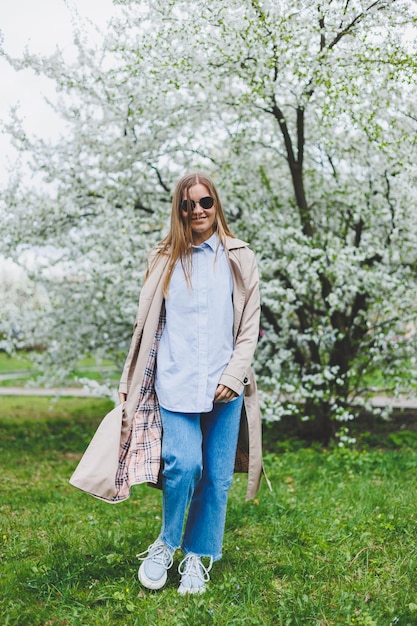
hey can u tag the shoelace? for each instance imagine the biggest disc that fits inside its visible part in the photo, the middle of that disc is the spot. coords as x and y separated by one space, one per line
159 553
193 566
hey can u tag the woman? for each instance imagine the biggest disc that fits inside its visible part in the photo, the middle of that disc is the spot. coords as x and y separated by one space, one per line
188 375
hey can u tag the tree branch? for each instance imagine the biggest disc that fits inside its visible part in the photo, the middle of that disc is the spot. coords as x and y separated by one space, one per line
380 4
300 136
322 33
295 164
358 228
138 206
159 176
391 207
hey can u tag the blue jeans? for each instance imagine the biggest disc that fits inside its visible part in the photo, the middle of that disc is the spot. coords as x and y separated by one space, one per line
198 453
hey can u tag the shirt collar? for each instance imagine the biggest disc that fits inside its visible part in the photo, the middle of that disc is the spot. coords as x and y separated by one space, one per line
212 242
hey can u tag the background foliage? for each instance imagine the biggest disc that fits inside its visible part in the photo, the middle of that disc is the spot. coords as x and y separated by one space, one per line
305 115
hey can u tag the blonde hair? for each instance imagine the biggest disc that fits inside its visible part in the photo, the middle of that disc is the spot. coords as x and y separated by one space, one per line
178 243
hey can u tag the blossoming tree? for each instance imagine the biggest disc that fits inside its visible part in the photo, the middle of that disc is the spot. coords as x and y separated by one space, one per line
305 114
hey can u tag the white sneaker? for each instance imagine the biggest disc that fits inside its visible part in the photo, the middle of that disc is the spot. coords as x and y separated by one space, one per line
194 575
153 571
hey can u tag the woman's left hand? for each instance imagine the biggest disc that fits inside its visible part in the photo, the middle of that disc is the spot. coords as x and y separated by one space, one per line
224 394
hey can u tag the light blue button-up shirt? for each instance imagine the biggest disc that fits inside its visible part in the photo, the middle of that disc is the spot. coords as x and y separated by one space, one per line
197 341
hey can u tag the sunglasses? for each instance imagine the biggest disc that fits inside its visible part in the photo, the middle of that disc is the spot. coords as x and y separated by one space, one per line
205 203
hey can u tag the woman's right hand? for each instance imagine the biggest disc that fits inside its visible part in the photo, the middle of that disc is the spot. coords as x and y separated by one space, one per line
122 397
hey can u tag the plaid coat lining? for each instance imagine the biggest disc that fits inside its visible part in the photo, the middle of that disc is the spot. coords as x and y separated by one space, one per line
140 454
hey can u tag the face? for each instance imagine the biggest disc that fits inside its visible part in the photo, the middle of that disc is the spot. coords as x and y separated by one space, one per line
202 220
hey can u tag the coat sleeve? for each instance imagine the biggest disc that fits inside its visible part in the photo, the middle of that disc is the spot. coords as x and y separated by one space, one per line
135 341
236 374
131 356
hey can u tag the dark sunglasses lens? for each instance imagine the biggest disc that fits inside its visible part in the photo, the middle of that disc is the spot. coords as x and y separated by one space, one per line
187 203
206 203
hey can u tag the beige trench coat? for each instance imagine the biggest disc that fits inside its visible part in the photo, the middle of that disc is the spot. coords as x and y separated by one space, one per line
126 448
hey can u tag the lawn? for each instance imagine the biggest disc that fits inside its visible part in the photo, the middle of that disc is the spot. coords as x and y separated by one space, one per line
334 544
19 370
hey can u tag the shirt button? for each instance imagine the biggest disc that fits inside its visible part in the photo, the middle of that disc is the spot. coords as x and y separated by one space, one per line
245 380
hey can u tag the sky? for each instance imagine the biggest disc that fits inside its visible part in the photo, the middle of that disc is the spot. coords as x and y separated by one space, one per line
41 25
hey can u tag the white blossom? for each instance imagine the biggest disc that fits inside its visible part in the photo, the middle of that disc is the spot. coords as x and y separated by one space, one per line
306 119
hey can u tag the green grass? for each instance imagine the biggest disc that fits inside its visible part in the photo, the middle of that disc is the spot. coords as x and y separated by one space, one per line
13 363
18 370
334 544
